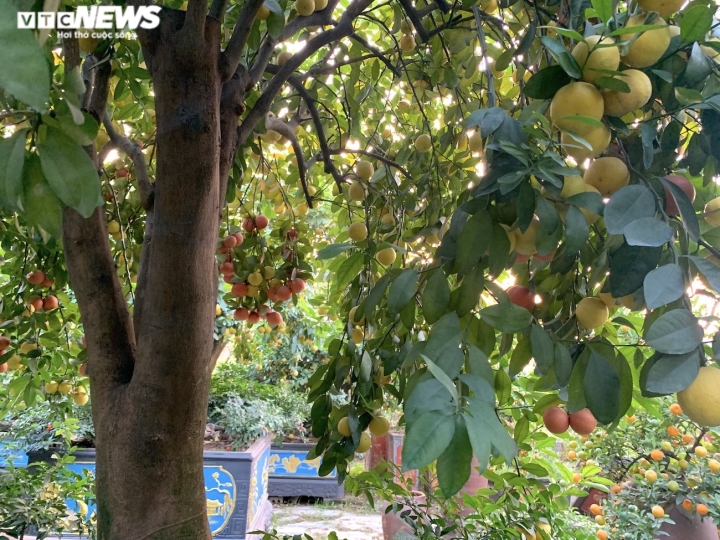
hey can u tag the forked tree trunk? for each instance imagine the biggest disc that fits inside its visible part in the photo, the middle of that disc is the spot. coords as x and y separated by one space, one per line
149 382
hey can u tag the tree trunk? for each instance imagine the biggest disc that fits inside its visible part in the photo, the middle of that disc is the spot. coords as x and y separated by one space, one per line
150 383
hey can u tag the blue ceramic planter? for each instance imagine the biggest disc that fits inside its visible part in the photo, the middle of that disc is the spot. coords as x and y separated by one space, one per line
293 475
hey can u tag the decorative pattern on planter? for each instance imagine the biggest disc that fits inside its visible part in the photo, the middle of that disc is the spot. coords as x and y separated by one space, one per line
293 475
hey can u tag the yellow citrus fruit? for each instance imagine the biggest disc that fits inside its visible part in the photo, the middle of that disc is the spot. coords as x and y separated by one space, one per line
263 14
51 387
651 476
511 236
320 4
407 43
304 7
475 142
386 256
576 98
283 57
648 46
64 387
607 175
594 55
351 317
364 444
344 427
423 143
572 185
358 335
712 212
598 138
379 426
525 241
356 191
701 400
664 8
364 170
357 231
608 299
591 313
621 103
658 511
255 278
701 451
542 526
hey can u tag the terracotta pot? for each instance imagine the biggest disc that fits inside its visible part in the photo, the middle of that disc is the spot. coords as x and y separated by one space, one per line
474 483
688 528
392 523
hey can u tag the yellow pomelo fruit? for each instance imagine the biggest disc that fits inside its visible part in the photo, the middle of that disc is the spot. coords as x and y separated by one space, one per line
51 387
576 98
423 143
386 256
709 51
357 231
607 175
572 185
511 236
650 45
379 426
263 13
598 138
364 444
357 191
351 317
491 6
608 299
712 212
701 400
357 335
344 427
621 103
304 7
595 55
542 526
475 142
80 398
591 313
320 4
664 8
364 170
525 242
64 387
283 57
407 43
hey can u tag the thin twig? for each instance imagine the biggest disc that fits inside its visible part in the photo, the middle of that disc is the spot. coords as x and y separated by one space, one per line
230 57
284 129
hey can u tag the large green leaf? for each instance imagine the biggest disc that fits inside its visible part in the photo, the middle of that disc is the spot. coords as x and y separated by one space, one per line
709 270
470 290
675 332
12 160
426 439
429 395
546 82
601 385
664 285
69 171
485 428
648 231
521 355
453 465
576 230
628 267
673 373
402 289
436 296
626 205
25 70
349 269
473 241
687 212
41 205
695 23
333 250
542 349
506 317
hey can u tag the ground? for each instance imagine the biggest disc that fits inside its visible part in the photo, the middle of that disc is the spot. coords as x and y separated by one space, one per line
350 522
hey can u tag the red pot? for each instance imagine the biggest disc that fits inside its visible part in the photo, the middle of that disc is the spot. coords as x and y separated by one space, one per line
392 523
474 483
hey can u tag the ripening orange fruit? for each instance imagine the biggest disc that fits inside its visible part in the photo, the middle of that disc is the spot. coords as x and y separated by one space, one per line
576 477
673 431
572 454
687 504
702 509
658 511
595 509
675 408
687 439
615 489
602 535
657 455
701 451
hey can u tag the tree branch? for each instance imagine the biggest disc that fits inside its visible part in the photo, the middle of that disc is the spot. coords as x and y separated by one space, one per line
379 157
415 19
217 9
343 29
377 53
284 129
145 187
230 57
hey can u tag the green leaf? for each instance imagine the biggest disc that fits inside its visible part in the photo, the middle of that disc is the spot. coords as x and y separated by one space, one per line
441 376
332 251
479 365
664 285
695 23
473 241
479 386
376 294
506 317
604 9
349 269
25 71
562 56
588 200
612 83
454 464
626 205
545 83
542 349
647 231
402 290
522 430
698 68
484 427
12 160
675 332
470 290
426 439
548 215
562 365
673 373
498 251
40 203
628 267
521 355
577 230
601 385
427 396
69 172
436 296
710 270
503 386
687 212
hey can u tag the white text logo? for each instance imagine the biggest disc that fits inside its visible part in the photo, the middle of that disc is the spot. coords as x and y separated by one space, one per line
92 18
